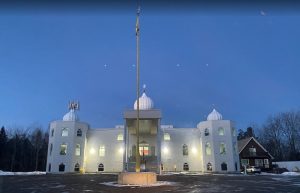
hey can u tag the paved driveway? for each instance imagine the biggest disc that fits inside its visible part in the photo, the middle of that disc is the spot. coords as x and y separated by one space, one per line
75 183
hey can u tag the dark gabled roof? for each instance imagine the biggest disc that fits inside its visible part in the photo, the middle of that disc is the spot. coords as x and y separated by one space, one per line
244 142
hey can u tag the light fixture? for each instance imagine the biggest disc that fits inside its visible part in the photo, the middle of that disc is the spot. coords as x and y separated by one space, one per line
92 151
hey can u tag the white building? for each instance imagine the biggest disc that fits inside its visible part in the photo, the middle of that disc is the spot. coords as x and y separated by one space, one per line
209 147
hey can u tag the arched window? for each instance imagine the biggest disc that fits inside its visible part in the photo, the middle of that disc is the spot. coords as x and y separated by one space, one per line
222 148
79 133
206 132
120 137
63 149
186 167
209 166
77 167
221 131
61 167
207 148
185 150
167 137
52 132
224 166
64 132
51 147
49 168
100 167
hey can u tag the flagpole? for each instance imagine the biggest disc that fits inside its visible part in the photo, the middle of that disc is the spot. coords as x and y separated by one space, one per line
137 30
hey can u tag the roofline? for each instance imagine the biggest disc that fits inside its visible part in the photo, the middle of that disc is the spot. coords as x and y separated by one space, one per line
258 144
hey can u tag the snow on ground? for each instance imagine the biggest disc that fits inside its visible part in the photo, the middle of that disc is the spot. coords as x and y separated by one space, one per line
158 183
2 173
291 173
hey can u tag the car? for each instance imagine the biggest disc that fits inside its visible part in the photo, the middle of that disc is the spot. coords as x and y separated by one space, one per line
253 169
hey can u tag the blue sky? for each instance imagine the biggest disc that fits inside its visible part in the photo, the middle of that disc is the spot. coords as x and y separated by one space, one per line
246 65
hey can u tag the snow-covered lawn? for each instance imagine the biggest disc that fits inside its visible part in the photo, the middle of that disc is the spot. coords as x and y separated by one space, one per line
2 173
158 183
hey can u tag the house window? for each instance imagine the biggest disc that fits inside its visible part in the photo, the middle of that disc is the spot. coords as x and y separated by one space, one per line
209 166
259 162
120 137
186 167
61 167
52 132
77 150
144 150
266 163
185 150
224 166
221 131
79 133
49 168
64 132
63 149
51 147
77 167
100 167
208 148
245 162
233 131
222 149
252 151
102 151
167 137
206 132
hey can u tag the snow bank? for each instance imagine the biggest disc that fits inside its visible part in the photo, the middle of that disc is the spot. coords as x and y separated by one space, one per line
291 173
2 173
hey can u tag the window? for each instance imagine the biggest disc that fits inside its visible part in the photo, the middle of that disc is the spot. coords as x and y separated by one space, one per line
222 148
63 149
186 167
208 148
235 166
259 162
49 168
234 148
167 137
144 150
221 131
79 133
61 167
100 167
266 163
51 147
120 137
77 167
77 150
252 151
245 162
224 166
206 132
64 132
52 132
185 150
102 151
233 131
209 166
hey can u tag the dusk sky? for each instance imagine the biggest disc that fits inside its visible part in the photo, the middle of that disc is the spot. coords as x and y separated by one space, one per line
244 63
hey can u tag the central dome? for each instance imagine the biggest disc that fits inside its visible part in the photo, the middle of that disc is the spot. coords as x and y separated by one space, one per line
71 116
146 102
214 116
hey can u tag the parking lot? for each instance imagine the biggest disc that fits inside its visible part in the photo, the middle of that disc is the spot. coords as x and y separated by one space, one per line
75 183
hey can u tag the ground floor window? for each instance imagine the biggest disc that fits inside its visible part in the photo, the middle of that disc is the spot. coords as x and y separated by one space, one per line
76 168
186 167
245 162
266 163
100 167
49 168
224 166
61 167
259 162
209 166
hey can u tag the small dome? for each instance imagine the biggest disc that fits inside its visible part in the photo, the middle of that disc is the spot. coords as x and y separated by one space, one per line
71 116
146 102
214 115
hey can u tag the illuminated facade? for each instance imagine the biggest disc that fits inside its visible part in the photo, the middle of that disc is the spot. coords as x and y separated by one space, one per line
209 147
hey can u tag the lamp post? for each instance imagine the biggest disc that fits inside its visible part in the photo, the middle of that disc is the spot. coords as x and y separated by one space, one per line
137 33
